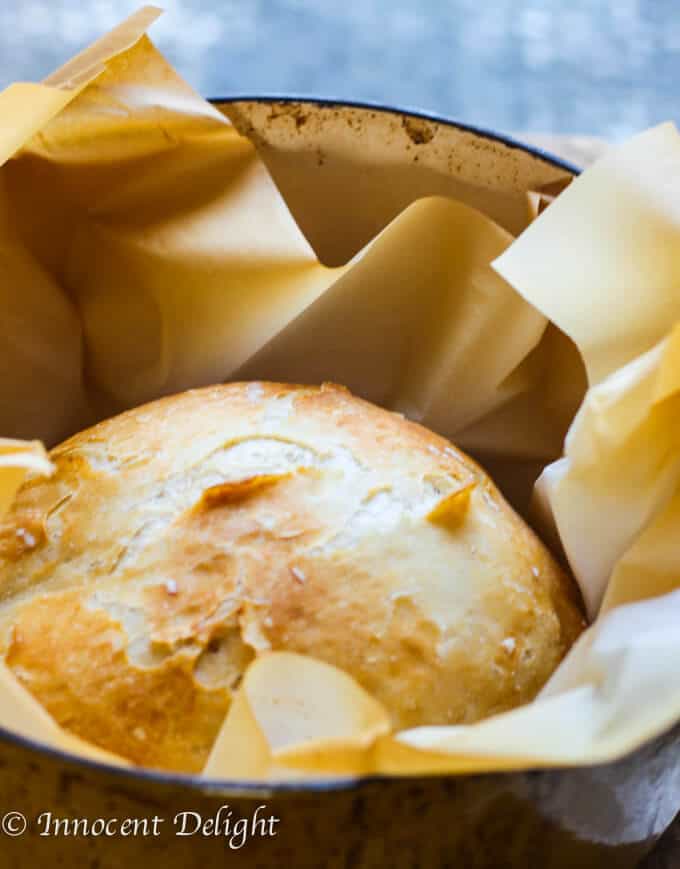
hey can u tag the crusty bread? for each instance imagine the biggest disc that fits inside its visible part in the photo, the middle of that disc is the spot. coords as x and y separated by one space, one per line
182 538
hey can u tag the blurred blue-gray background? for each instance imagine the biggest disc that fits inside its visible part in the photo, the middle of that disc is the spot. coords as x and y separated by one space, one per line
598 67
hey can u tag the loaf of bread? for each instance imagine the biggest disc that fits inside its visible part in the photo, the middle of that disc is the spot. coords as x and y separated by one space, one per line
178 540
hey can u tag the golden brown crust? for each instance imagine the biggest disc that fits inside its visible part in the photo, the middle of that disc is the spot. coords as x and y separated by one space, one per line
180 539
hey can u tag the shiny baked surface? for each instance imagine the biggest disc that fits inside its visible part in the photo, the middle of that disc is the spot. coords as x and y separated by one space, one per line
177 541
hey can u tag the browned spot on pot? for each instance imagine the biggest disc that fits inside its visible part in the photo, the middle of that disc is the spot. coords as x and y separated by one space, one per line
420 132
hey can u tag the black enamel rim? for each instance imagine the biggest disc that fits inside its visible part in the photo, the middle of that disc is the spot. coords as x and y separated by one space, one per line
236 787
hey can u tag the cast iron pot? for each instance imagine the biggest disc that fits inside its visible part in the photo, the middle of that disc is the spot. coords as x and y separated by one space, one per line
346 170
